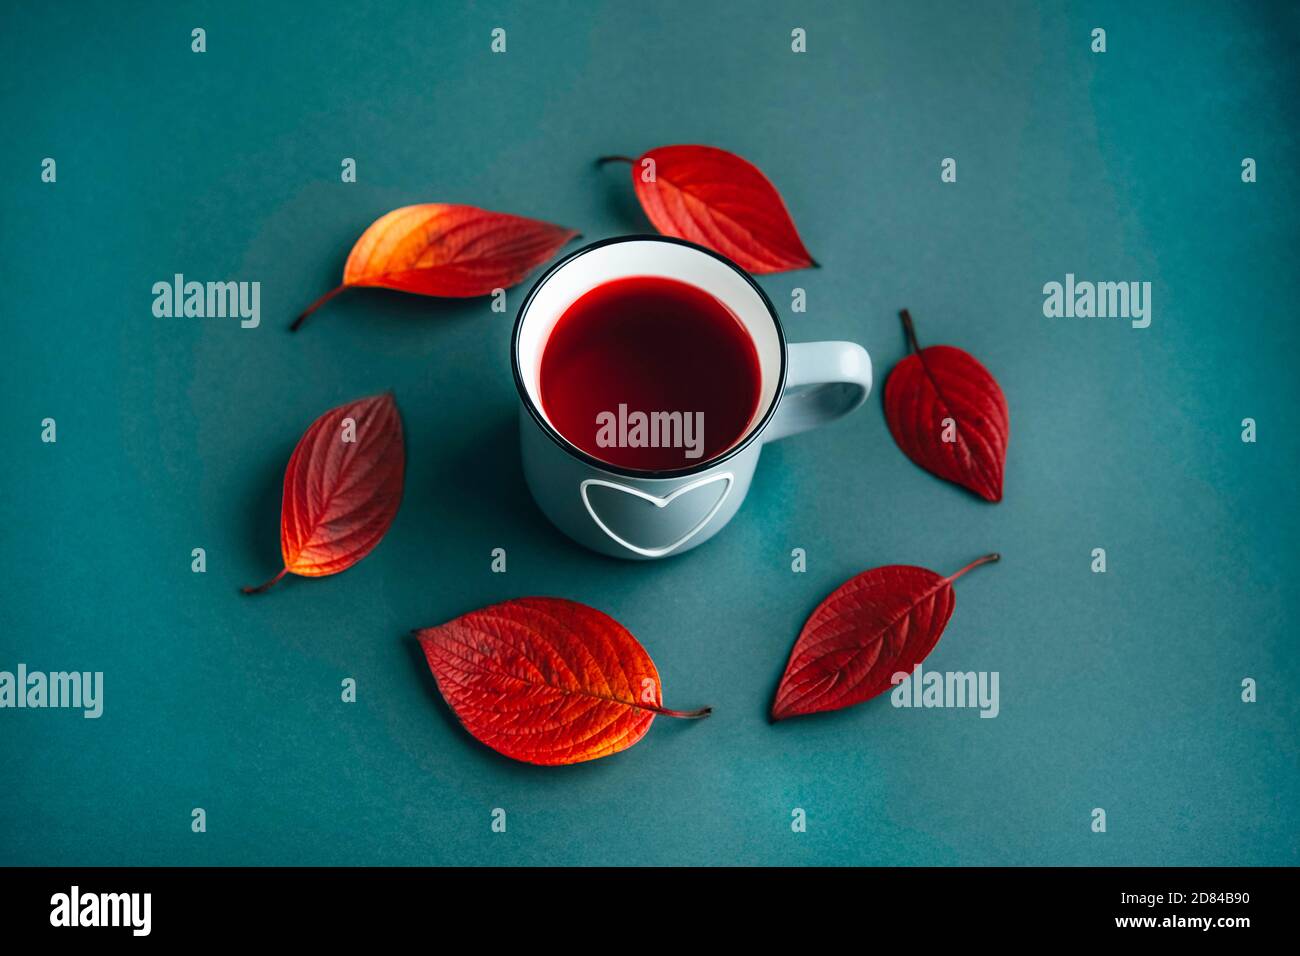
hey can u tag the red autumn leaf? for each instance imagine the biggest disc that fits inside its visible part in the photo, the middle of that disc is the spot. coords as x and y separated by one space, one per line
341 489
948 414
716 199
448 251
546 680
882 622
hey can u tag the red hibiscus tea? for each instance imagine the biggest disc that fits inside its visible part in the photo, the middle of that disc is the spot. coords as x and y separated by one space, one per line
650 374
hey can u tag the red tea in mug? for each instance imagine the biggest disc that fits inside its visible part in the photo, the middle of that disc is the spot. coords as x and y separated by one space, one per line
650 374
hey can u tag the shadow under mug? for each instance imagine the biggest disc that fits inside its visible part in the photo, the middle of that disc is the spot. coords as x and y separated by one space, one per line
636 514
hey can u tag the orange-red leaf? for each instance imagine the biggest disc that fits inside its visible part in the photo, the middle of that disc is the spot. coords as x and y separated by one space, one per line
715 198
446 250
342 488
546 680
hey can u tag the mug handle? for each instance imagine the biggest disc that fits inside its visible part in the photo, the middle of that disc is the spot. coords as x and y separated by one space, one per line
824 381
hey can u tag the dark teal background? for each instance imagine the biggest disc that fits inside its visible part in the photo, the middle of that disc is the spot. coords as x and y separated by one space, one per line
1119 691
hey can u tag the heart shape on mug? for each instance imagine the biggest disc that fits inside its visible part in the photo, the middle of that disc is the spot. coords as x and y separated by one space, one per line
659 502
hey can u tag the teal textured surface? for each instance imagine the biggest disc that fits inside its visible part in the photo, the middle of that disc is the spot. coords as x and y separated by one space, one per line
1119 690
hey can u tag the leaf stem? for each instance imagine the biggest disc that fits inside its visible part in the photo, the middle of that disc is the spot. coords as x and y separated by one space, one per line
987 559
615 159
910 329
262 587
685 714
315 305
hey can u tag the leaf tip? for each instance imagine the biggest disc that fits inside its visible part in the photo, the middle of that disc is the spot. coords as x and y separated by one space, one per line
990 491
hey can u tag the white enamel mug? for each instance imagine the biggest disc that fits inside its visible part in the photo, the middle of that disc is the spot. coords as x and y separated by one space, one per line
636 514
